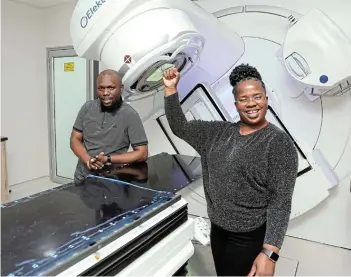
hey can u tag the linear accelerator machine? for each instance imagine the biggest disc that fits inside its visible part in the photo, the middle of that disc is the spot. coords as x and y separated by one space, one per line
141 39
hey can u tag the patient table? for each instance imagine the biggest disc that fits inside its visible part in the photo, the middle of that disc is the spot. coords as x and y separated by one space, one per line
121 221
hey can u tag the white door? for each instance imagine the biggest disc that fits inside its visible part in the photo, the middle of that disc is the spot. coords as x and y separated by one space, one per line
70 88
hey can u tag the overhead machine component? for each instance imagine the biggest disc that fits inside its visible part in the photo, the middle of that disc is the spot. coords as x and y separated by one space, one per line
141 39
314 38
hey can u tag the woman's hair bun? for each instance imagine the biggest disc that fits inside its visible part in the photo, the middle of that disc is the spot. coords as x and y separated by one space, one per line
243 72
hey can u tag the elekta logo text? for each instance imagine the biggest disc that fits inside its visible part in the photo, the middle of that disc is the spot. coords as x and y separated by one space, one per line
84 21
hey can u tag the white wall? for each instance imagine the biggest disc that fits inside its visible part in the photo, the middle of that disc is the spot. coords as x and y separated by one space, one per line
26 33
57 20
23 92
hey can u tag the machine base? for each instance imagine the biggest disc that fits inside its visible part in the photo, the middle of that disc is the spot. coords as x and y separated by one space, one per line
166 257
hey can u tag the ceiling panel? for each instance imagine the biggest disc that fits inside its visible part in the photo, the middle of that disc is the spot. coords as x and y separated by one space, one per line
43 3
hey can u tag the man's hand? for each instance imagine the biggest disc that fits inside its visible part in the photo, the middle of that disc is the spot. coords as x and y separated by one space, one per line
262 266
102 158
91 164
96 163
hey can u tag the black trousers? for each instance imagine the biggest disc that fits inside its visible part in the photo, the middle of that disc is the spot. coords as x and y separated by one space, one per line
234 253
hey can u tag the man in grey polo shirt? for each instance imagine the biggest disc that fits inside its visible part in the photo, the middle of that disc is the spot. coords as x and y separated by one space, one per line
105 128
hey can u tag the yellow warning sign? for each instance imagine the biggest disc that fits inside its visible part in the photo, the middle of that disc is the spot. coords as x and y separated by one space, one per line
69 67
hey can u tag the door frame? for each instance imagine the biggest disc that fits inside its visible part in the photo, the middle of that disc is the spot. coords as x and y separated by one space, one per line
92 73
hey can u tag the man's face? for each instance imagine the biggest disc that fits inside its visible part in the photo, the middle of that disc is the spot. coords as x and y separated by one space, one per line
109 89
251 102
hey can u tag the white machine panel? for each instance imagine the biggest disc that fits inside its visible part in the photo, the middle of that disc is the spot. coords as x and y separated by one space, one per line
180 146
312 39
273 118
202 103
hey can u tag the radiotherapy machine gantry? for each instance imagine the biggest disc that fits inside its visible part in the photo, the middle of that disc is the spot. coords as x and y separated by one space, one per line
301 49
302 52
141 39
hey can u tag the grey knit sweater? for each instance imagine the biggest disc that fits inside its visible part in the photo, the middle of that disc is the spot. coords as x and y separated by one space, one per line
248 179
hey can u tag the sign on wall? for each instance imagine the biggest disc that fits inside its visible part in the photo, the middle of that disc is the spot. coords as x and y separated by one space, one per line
68 67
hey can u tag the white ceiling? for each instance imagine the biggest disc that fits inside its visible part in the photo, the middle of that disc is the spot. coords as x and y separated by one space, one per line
43 3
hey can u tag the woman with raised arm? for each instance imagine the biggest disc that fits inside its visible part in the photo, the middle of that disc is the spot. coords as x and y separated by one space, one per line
249 173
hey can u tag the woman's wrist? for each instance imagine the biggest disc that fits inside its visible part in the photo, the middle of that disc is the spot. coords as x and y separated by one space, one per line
170 91
271 247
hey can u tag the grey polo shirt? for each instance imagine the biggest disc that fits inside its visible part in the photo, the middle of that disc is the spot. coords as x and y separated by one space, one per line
108 131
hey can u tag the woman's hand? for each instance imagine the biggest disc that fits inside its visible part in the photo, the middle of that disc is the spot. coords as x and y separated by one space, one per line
262 266
171 78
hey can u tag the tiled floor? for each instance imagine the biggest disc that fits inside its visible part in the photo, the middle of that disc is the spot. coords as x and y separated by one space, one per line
30 188
298 257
